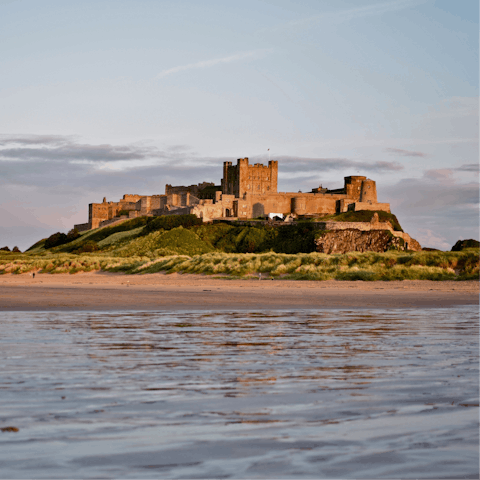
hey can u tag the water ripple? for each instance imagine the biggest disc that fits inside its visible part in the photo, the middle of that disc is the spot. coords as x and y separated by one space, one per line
328 394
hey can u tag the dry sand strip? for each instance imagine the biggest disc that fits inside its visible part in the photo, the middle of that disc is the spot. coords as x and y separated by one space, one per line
109 292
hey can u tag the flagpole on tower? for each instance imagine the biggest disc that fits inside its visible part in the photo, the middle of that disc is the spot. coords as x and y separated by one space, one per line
268 154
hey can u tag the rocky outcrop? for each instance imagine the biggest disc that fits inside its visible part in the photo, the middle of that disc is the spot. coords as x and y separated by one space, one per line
353 240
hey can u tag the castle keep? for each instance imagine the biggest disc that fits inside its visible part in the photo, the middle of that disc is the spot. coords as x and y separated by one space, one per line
246 191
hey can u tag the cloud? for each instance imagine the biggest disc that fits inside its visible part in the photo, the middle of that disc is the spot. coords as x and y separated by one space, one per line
57 148
213 62
54 178
302 164
469 167
439 174
42 160
429 238
436 203
405 153
353 13
35 139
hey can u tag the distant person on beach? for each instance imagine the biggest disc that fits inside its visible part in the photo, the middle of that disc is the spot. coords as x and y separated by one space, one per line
33 274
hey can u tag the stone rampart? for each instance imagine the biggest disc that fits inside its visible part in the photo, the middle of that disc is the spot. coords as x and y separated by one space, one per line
83 227
248 191
113 221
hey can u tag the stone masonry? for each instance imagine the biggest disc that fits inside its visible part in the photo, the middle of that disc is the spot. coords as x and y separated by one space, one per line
246 191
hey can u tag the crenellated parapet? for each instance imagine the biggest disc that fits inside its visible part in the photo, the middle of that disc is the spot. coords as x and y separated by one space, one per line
246 191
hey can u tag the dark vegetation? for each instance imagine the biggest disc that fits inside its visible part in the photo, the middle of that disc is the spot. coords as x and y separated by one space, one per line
87 247
169 222
225 237
6 249
299 238
59 238
462 244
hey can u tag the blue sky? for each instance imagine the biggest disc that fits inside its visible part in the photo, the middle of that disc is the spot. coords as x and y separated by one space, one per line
101 98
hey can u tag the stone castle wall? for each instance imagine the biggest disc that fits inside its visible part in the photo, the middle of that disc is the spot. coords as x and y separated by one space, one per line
246 191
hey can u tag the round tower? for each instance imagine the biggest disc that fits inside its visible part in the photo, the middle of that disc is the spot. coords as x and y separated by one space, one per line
368 191
299 205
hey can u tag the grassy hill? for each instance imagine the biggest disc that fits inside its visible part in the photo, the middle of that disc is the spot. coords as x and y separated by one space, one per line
183 244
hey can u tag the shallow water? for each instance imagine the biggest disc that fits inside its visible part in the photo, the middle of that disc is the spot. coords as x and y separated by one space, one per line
282 394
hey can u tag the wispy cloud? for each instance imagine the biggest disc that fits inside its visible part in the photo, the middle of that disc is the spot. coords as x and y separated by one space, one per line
40 161
30 139
213 62
301 164
405 153
356 12
469 167
442 175
66 149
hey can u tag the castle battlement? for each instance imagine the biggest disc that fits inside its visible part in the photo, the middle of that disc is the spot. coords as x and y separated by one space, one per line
246 191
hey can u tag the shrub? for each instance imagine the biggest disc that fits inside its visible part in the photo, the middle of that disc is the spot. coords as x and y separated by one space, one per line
87 247
169 222
59 238
55 240
253 240
299 238
462 244
16 250
5 249
73 234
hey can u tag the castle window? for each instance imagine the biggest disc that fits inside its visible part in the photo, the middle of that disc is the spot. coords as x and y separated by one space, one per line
268 188
258 187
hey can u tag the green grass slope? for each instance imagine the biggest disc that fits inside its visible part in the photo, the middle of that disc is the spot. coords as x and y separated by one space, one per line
178 241
365 216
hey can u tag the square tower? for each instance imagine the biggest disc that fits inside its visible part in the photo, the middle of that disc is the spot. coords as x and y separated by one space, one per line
244 179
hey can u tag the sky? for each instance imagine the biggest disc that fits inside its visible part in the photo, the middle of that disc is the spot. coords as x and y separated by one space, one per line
106 97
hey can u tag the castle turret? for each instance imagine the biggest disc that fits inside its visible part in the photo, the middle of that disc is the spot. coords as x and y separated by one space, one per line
299 205
369 191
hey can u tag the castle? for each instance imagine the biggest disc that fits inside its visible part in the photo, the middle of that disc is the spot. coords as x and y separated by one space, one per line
246 191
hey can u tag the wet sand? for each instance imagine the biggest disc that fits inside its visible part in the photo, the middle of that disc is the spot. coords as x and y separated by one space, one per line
101 291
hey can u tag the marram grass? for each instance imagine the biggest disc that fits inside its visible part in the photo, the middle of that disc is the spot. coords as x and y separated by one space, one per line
148 258
318 266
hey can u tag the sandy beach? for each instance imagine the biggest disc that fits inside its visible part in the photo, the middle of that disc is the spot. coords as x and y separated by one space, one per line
108 292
